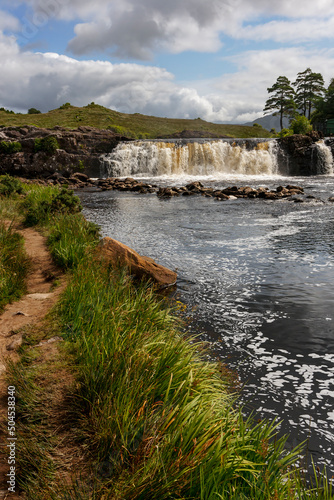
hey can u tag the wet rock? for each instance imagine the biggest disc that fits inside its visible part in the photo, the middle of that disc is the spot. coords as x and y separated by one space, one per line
297 200
265 195
81 177
118 254
195 187
234 191
167 192
247 191
302 153
221 195
282 191
294 188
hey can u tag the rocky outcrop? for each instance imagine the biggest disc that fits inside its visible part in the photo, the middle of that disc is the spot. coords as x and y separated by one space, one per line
118 254
299 155
79 149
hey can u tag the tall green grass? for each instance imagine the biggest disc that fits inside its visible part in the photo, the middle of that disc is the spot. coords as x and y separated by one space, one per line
70 238
14 265
158 414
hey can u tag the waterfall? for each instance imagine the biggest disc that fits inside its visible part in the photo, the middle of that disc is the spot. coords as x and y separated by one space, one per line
324 158
193 157
214 157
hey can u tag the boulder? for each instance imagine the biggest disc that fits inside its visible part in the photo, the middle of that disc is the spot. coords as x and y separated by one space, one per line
118 254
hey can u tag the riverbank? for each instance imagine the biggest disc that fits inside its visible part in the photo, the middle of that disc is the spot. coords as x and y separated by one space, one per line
134 401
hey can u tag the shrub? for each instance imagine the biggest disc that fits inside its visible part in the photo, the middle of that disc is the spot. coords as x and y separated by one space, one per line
65 106
301 125
33 111
285 132
65 201
79 167
9 111
41 205
10 147
9 185
48 145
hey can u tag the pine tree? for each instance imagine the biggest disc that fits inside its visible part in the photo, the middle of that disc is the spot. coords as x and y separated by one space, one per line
309 87
324 105
282 102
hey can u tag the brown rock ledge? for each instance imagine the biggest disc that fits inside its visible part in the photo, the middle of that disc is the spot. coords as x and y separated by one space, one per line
139 266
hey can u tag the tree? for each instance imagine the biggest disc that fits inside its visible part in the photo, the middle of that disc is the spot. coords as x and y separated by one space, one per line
309 87
324 106
33 111
282 102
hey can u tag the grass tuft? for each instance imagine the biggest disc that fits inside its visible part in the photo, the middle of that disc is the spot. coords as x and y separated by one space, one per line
14 265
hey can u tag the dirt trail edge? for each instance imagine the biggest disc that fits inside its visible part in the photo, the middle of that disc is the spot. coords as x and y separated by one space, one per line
30 309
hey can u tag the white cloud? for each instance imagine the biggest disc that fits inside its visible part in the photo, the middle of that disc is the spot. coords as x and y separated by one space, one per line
46 81
8 22
242 94
138 28
296 31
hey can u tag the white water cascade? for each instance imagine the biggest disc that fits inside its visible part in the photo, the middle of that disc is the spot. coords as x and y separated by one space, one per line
195 158
325 159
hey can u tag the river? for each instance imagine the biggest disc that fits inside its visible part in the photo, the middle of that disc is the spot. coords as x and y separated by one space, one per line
257 277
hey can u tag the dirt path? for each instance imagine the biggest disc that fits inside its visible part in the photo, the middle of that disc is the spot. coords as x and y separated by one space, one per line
29 310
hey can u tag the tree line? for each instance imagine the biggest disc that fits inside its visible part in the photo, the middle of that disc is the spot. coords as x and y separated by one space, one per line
306 97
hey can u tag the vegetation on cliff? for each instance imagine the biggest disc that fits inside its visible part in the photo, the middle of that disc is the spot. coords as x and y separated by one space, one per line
130 409
136 125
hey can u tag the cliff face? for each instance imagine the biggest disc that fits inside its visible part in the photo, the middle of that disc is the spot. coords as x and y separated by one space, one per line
80 149
305 155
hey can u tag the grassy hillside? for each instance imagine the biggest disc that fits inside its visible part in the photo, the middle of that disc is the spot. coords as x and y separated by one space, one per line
135 125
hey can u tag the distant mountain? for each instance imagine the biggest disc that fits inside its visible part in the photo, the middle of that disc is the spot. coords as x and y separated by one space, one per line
269 121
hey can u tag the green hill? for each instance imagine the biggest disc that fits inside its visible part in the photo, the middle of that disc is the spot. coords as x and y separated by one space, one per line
135 125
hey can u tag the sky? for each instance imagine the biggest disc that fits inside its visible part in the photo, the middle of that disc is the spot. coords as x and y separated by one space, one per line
212 59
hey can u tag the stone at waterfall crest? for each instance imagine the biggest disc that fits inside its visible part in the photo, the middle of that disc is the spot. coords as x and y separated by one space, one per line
139 266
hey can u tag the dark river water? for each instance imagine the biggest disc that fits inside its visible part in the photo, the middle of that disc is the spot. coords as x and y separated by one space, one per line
258 279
